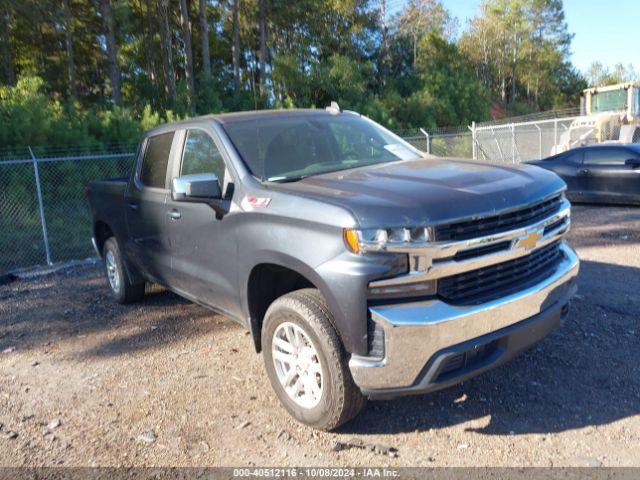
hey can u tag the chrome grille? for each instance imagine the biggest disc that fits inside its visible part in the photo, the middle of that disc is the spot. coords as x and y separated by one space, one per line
484 284
498 223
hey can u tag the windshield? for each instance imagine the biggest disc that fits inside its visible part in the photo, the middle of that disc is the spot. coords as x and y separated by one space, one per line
291 147
608 101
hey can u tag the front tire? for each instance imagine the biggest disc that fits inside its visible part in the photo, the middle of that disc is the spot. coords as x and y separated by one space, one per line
122 289
306 362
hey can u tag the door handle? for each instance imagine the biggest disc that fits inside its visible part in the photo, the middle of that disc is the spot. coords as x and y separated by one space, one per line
174 214
132 205
584 170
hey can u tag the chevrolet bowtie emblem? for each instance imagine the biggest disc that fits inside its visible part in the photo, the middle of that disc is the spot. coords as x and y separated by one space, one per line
530 241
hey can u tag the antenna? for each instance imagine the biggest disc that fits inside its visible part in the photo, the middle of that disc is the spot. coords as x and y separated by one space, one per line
334 108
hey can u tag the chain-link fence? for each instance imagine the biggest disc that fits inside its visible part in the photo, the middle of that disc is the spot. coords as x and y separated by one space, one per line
44 216
443 142
503 141
522 141
513 142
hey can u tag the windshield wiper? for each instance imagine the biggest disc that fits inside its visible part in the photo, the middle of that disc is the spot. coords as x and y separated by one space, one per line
350 167
287 179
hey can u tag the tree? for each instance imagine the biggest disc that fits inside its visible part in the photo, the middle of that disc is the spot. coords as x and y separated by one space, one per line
149 45
188 54
421 17
517 47
262 27
204 40
449 83
68 34
112 50
5 47
235 49
410 71
598 75
166 51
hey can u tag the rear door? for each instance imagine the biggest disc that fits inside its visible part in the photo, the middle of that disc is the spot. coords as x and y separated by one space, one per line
145 204
608 177
203 247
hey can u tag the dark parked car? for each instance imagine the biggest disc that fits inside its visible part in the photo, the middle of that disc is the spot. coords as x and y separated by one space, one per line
361 266
599 173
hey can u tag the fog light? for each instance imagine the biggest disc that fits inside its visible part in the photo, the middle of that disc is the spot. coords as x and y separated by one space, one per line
418 289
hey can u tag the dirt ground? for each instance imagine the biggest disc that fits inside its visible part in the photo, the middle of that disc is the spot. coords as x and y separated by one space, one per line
86 382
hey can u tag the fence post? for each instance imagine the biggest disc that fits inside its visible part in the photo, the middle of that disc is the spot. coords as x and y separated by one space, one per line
426 134
45 235
474 146
555 135
539 141
513 143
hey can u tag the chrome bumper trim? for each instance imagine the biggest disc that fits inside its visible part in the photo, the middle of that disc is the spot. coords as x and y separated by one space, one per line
435 260
414 332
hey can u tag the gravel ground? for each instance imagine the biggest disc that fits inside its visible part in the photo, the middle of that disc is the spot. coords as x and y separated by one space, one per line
85 382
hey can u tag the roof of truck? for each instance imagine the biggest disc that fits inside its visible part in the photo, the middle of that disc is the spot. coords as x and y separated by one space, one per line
228 118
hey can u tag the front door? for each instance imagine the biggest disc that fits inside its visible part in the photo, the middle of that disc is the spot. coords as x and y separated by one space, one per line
609 177
203 247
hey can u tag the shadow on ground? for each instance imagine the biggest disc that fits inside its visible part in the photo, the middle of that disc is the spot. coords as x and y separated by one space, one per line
63 305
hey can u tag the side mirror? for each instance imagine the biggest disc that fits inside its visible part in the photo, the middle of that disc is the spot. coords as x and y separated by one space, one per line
198 188
633 162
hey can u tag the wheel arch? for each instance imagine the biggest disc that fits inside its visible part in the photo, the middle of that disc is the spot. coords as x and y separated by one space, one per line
271 278
101 233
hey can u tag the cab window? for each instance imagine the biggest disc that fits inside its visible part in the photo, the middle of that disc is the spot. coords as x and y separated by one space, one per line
201 155
606 156
153 172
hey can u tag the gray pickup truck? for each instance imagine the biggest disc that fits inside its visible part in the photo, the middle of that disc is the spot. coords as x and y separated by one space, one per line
362 267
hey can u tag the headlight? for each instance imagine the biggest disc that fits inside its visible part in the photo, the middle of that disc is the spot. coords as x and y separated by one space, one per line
380 239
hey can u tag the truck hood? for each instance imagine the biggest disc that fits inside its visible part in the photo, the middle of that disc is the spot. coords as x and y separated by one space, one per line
427 191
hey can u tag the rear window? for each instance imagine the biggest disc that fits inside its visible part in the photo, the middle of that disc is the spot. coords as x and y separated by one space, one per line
156 158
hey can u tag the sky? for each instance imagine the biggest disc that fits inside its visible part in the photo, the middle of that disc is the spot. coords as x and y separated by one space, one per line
604 31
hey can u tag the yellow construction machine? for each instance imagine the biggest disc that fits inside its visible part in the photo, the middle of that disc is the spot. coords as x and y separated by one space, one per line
607 114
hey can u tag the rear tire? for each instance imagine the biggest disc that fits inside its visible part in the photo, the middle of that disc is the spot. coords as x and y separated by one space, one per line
298 332
121 288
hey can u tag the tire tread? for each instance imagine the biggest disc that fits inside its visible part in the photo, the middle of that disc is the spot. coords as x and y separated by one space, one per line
130 292
310 303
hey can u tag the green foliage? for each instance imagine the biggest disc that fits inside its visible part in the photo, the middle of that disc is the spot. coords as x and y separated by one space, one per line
28 116
449 83
520 50
416 72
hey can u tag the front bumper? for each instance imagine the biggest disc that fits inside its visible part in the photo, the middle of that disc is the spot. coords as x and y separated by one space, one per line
422 337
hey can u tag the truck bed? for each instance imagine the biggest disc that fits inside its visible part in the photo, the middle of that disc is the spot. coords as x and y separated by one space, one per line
106 198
